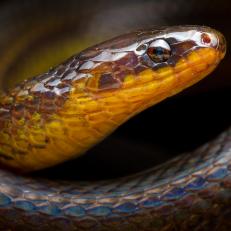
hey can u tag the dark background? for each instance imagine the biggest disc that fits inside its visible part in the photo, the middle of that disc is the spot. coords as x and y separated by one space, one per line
177 125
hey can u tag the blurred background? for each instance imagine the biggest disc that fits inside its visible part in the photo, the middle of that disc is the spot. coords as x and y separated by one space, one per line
37 34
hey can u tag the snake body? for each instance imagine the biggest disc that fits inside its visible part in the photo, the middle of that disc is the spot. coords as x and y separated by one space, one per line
60 114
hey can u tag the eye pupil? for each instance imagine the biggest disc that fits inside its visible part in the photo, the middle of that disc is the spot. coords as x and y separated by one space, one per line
159 51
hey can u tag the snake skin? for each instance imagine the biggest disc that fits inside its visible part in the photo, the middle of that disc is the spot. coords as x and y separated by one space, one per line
172 196
59 115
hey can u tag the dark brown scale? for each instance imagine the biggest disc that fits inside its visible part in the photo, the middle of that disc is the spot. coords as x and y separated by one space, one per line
107 81
18 112
60 70
69 75
50 95
125 66
139 68
121 74
185 46
74 63
129 61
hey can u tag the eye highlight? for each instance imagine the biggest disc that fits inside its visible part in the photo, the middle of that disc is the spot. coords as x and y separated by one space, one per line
159 51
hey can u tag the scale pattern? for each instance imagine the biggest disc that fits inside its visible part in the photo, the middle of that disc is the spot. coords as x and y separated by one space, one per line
173 196
90 95
59 115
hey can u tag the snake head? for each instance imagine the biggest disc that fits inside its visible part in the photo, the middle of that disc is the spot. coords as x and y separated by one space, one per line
146 66
180 53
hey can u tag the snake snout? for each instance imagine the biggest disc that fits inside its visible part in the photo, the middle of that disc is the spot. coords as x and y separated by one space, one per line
214 39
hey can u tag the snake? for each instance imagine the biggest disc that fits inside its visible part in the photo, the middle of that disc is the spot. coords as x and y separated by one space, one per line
59 115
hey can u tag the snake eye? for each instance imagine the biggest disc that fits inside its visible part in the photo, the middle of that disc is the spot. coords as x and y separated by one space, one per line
159 51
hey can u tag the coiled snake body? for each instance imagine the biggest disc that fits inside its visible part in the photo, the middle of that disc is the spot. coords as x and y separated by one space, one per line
62 113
